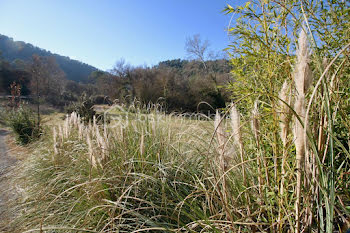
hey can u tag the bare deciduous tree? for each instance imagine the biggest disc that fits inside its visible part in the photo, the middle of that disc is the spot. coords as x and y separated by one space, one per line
47 79
38 76
197 49
123 71
121 68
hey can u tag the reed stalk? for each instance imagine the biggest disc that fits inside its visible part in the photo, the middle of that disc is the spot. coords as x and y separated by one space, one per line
285 116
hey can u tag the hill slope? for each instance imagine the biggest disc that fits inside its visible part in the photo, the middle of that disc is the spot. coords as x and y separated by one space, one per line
12 50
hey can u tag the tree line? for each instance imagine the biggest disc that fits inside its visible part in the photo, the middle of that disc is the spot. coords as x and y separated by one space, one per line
180 85
192 85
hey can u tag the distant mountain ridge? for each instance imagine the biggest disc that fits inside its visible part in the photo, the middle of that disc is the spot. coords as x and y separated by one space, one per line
12 50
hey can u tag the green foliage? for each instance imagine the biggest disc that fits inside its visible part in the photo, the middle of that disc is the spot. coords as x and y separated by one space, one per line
22 122
85 108
262 53
262 49
176 63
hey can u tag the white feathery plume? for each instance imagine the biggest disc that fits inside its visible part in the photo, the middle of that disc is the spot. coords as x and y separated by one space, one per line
303 80
105 132
302 72
255 121
221 138
66 127
94 122
91 151
80 130
284 112
236 127
98 137
219 132
90 129
79 119
101 142
60 133
76 122
54 140
71 118
237 136
105 136
153 122
122 133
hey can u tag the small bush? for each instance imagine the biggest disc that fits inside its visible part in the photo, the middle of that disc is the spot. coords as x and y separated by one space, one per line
85 108
101 99
23 123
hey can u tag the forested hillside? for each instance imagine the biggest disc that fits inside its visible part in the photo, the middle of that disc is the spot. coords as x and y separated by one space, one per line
195 85
19 52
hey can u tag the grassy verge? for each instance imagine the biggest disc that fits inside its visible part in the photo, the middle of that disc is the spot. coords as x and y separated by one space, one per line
154 172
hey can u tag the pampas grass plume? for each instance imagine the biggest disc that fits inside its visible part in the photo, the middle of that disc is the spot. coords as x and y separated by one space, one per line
303 80
284 112
255 120
54 140
91 151
224 158
236 126
302 73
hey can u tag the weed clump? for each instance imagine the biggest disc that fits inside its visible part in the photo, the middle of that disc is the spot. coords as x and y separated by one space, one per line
85 109
22 121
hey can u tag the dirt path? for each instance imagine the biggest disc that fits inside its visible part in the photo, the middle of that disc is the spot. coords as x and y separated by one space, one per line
6 162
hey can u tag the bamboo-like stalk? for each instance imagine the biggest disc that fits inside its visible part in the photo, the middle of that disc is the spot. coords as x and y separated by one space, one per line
300 154
319 131
256 131
284 115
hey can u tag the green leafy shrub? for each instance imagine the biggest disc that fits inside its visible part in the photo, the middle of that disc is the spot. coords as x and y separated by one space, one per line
85 108
23 123
264 55
101 99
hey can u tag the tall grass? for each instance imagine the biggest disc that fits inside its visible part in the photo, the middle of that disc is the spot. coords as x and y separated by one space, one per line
146 171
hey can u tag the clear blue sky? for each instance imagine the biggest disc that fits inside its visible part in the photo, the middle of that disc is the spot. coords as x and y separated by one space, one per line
100 32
